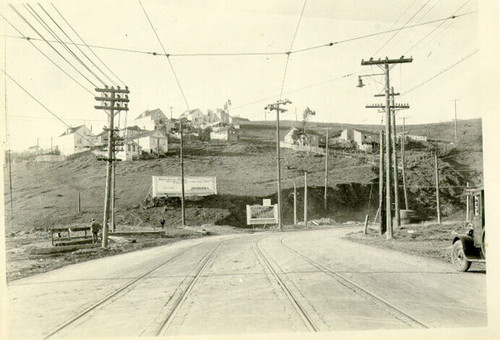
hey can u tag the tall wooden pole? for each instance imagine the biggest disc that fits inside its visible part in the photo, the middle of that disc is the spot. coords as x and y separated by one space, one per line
467 211
183 205
326 173
107 196
382 227
437 189
113 198
278 167
395 161
305 199
294 203
403 173
388 197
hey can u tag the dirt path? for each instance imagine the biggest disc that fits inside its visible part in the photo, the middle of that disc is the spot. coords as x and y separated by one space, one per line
308 281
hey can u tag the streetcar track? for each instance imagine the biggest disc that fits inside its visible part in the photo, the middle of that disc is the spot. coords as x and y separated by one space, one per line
350 284
306 318
102 301
202 264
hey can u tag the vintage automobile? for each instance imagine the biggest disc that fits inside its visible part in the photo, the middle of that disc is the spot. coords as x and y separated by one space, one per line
471 246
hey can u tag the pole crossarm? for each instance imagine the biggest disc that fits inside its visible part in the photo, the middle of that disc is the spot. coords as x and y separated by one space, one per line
115 108
386 61
383 94
117 99
382 106
113 89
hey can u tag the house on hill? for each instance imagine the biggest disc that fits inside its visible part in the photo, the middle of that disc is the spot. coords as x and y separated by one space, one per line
152 141
296 139
364 140
75 139
153 120
226 133
196 117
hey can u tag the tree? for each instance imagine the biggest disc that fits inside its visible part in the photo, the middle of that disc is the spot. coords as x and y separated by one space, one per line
305 117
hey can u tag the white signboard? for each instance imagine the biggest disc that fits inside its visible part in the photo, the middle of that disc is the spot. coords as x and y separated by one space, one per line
262 214
170 186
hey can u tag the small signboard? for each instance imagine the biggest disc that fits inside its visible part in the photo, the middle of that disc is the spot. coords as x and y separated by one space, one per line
262 214
170 186
266 201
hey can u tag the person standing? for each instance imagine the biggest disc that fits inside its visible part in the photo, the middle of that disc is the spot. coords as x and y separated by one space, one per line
94 229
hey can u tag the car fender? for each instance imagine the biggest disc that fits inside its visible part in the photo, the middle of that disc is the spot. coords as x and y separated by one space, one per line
470 251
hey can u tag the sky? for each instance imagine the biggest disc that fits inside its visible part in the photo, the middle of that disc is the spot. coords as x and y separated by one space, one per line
446 61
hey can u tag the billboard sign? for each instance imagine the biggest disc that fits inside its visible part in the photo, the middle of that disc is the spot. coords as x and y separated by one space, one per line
262 214
170 186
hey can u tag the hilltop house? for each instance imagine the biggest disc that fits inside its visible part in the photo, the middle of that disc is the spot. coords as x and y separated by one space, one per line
364 140
297 136
412 137
226 133
153 120
75 139
152 141
196 117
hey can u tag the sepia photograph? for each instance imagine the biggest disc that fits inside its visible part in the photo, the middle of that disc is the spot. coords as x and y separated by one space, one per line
281 169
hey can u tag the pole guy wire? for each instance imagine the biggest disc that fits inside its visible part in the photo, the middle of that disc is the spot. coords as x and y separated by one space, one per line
166 54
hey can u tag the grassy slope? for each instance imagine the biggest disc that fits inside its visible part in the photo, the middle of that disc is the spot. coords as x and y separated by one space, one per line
45 194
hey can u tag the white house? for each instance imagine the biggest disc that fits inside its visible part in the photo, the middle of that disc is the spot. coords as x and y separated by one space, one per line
227 133
292 136
412 137
75 139
196 117
360 137
152 141
131 151
153 120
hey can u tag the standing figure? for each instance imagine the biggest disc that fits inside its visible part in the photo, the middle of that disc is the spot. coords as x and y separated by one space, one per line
94 229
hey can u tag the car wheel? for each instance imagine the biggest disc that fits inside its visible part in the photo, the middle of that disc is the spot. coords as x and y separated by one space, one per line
458 259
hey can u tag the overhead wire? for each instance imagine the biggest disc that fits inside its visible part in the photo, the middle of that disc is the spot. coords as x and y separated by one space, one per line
77 47
167 55
45 107
222 54
395 33
434 30
53 48
291 47
441 72
86 45
49 29
46 56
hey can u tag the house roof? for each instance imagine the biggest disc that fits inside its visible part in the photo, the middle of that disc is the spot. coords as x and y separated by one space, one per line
189 112
71 130
150 113
363 131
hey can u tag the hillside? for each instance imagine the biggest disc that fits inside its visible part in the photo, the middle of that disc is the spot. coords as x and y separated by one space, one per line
45 194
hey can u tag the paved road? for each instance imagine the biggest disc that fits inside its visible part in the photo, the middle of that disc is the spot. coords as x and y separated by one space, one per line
269 282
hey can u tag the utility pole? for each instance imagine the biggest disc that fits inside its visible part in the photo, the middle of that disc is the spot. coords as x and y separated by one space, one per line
467 203
382 227
171 112
183 205
326 172
386 62
276 107
395 161
437 189
403 173
111 102
456 127
305 199
294 203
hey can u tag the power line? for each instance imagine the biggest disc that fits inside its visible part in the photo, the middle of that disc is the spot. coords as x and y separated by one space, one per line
290 49
222 54
45 107
440 73
168 56
69 25
56 36
395 33
77 47
435 29
46 56
41 36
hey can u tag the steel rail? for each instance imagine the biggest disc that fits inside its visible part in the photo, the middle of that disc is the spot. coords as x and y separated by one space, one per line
295 302
108 297
348 283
